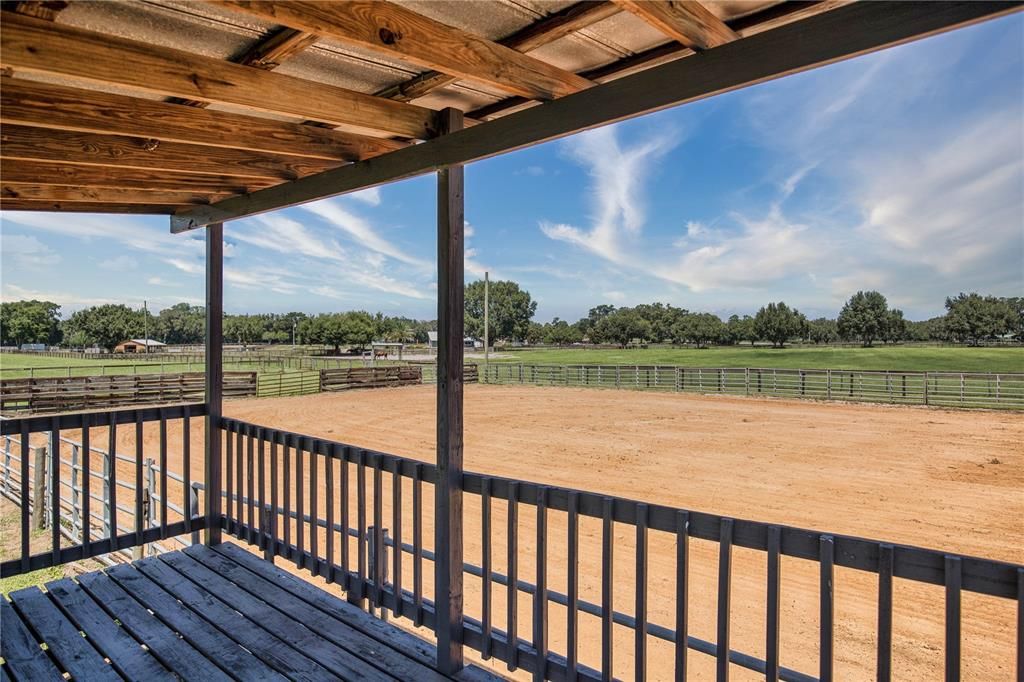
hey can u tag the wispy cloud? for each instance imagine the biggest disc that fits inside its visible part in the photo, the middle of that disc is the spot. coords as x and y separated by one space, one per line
277 232
28 251
361 231
119 263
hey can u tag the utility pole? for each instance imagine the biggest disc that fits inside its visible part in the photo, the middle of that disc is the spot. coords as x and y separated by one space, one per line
145 326
487 320
294 324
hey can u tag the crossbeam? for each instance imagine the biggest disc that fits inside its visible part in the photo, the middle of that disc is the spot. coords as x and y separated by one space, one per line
822 39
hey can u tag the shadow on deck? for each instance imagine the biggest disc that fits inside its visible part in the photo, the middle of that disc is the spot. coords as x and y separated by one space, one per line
204 614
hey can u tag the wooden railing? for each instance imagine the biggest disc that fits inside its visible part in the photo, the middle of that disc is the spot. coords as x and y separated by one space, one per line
122 524
325 505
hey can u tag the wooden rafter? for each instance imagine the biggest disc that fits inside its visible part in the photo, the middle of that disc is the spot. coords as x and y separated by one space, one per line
41 9
822 39
42 105
746 26
403 34
102 195
88 207
35 46
72 147
537 34
686 21
267 54
21 172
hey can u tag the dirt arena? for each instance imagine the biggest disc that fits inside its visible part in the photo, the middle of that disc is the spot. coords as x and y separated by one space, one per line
948 480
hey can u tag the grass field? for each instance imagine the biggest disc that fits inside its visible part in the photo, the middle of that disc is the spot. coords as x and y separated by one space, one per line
896 358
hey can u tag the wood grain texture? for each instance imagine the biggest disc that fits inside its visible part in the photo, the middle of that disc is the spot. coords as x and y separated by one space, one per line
38 144
17 172
36 46
102 195
825 38
411 37
537 34
685 21
89 207
61 108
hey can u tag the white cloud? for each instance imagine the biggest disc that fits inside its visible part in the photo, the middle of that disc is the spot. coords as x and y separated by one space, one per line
119 263
370 196
614 296
27 251
161 282
279 233
191 267
361 231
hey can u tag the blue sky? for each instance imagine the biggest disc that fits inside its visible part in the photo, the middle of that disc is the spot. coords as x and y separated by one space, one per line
901 171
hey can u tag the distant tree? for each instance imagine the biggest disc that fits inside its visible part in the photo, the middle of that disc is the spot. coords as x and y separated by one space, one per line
895 326
29 322
972 318
106 325
1016 303
621 327
823 330
510 311
662 317
534 333
864 317
244 329
741 329
181 323
777 322
561 333
699 329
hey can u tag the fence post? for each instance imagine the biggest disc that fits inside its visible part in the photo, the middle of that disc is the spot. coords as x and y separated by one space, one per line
961 389
926 388
76 520
265 525
39 489
7 459
828 383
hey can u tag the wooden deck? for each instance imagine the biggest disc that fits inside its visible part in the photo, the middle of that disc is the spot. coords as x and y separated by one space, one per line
203 614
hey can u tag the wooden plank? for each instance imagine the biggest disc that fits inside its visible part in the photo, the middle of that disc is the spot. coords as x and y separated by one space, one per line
403 641
58 107
69 146
821 39
21 652
448 530
256 607
689 23
401 33
35 46
539 33
101 195
214 359
329 625
272 650
21 172
73 652
43 9
214 644
162 642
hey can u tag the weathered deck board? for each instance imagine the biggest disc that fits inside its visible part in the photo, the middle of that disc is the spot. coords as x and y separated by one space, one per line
205 638
204 614
124 652
73 652
21 651
271 650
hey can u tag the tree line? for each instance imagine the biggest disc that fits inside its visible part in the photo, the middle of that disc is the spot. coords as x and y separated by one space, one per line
866 318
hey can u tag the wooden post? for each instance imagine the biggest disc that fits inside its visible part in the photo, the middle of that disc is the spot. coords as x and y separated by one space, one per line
214 376
39 489
448 491
76 520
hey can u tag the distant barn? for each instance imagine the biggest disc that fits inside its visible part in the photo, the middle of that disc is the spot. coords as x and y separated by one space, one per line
139 346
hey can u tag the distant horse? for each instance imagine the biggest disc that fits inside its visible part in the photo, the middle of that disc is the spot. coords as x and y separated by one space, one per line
380 354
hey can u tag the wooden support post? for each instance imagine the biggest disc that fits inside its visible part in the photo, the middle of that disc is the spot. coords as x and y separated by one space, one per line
214 376
39 489
448 491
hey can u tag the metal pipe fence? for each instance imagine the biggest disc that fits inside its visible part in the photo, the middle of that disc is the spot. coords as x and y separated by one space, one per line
941 389
344 513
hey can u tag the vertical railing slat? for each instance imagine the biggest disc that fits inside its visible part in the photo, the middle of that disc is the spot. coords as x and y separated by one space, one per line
229 483
25 474
329 502
885 570
86 488
378 534
250 484
55 490
607 585
512 615
186 469
724 598
239 481
361 523
314 504
682 592
826 564
344 453
573 613
300 507
772 619
261 486
273 496
396 534
540 595
139 514
417 542
485 563
640 629
111 481
286 494
163 474
954 582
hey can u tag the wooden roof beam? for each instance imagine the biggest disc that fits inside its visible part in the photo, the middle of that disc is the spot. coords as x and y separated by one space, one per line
686 21
400 33
42 105
41 9
537 34
71 147
102 195
88 207
35 46
822 39
21 172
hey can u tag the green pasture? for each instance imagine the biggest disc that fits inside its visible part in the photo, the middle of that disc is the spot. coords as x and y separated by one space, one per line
894 358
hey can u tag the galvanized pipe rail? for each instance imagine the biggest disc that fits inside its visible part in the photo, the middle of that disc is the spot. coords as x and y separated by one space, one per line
268 508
